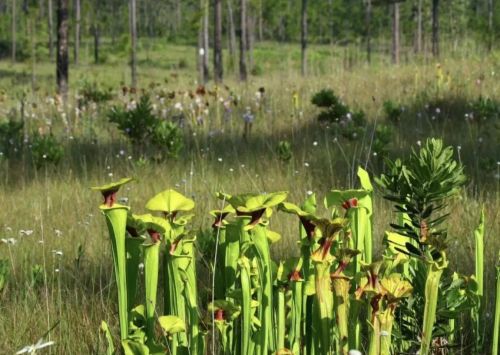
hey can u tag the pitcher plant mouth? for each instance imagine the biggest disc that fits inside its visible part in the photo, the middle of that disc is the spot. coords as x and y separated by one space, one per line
109 191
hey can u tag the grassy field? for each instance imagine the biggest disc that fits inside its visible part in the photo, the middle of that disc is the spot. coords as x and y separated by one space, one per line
61 265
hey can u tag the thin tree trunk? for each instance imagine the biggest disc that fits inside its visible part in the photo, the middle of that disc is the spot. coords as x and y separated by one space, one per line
232 32
250 36
419 27
206 41
395 33
218 64
435 28
331 23
200 53
50 29
491 33
178 15
368 29
95 32
303 38
261 20
62 48
243 40
133 39
14 29
77 30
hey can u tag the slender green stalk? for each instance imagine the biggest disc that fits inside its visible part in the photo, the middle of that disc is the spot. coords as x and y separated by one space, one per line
324 304
496 327
151 266
341 287
116 220
281 319
133 248
296 317
479 274
431 298
386 320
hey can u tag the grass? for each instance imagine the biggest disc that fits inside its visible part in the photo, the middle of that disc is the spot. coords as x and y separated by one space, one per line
76 290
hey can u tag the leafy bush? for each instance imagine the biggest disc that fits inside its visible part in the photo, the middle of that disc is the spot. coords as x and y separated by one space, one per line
11 137
393 111
383 137
91 92
167 136
138 124
343 120
485 109
284 151
46 149
142 126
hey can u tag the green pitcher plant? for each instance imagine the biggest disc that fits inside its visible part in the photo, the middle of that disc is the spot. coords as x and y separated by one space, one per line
116 220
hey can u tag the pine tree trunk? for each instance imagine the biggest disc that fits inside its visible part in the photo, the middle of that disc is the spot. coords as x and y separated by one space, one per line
232 32
62 48
243 40
250 29
218 64
491 33
14 29
368 21
435 28
419 27
395 33
95 33
50 29
133 40
303 38
206 40
77 30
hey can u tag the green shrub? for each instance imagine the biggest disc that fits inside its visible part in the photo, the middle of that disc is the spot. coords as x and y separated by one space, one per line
91 92
393 111
11 137
45 149
284 151
343 121
143 127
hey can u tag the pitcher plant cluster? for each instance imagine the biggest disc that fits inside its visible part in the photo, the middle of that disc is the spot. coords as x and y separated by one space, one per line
332 298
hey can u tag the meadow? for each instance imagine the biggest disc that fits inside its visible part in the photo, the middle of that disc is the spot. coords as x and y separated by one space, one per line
55 239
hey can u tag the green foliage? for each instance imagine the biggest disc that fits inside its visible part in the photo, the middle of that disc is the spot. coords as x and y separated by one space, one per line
4 273
485 110
11 138
284 151
382 140
393 112
338 115
143 127
92 92
167 136
46 149
138 123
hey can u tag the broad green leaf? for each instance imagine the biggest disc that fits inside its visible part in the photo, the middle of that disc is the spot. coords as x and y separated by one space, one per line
364 179
272 236
110 349
170 201
114 186
172 324
134 348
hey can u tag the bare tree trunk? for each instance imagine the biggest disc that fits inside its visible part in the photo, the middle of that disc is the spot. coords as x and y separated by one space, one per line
395 33
178 15
133 40
218 64
200 53
77 30
50 29
368 29
419 27
435 28
14 29
491 33
243 40
95 32
250 36
303 38
232 32
206 42
331 23
261 15
62 48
